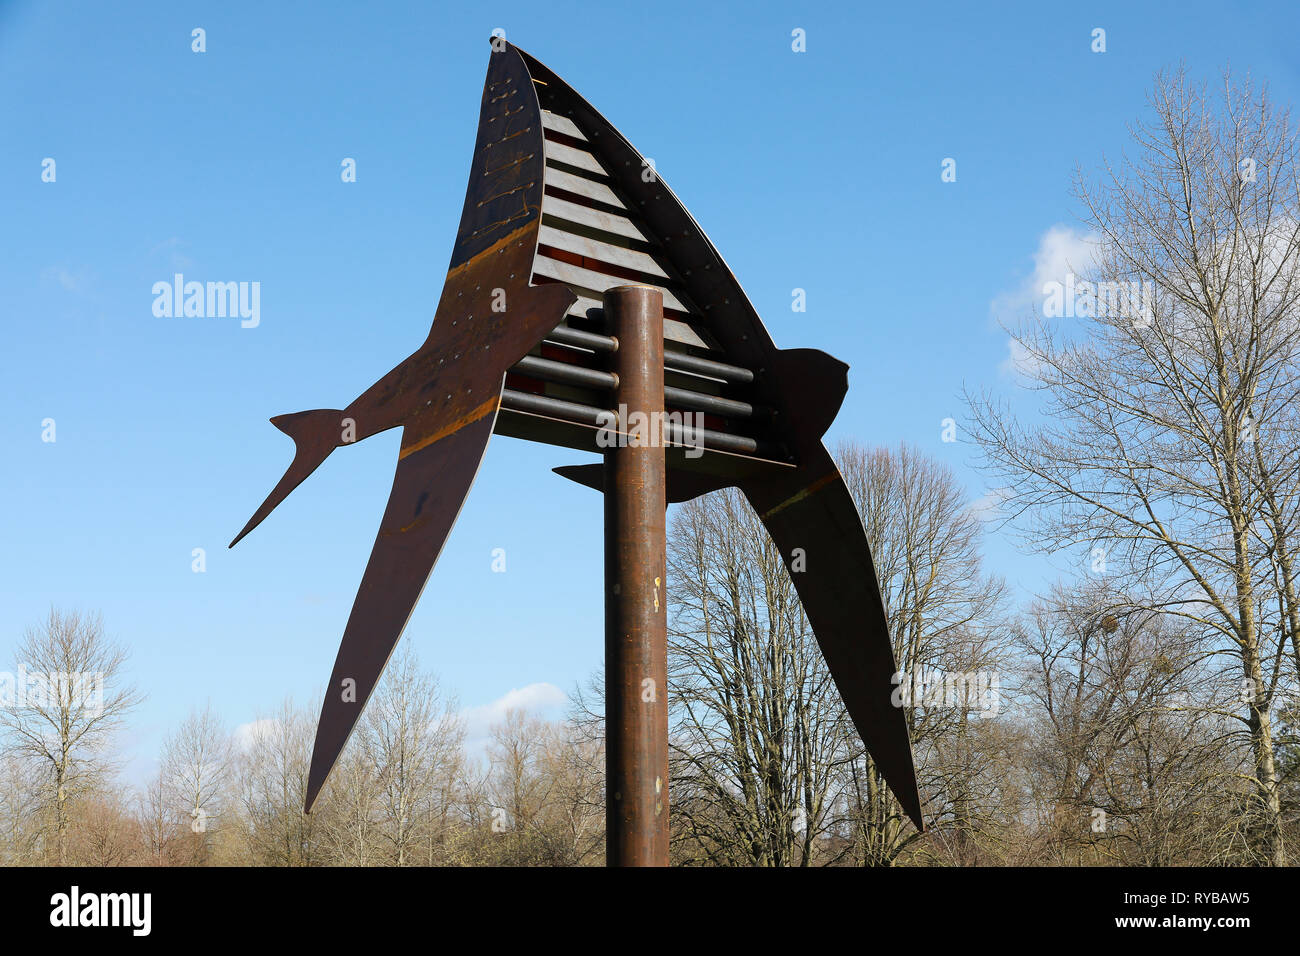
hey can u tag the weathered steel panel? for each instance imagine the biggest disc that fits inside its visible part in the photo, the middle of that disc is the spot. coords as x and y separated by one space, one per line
445 396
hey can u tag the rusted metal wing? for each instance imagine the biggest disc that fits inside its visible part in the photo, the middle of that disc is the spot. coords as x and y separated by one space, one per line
445 396
811 515
429 488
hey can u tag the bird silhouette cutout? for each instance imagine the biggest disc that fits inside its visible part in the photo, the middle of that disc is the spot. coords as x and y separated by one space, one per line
560 207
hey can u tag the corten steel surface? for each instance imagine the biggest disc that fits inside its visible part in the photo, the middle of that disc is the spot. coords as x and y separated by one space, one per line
445 397
636 629
766 409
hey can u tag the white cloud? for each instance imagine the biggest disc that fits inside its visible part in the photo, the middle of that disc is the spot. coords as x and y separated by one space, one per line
533 698
541 699
246 734
987 507
1061 251
1020 362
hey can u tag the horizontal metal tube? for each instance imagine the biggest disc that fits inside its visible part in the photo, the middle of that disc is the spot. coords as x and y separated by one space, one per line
555 407
726 407
708 438
692 363
680 361
587 340
591 415
554 371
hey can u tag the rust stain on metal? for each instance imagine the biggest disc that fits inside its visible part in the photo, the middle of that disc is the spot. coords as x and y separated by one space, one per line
803 493
487 408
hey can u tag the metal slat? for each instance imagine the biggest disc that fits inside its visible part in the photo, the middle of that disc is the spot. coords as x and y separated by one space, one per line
574 157
555 407
582 308
713 404
674 330
602 251
561 124
604 343
681 362
595 281
592 218
595 191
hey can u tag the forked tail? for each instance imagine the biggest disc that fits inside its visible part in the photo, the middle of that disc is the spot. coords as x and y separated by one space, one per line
315 434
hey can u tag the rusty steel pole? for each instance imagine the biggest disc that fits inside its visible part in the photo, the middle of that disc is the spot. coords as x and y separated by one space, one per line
636 630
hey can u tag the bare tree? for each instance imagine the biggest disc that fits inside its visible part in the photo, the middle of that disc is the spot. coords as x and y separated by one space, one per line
411 738
64 709
768 769
272 783
574 766
1127 767
1167 442
756 719
542 800
104 832
197 769
946 616
20 811
161 832
350 813
516 789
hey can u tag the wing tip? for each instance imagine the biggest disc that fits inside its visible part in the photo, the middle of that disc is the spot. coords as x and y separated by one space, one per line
913 811
316 777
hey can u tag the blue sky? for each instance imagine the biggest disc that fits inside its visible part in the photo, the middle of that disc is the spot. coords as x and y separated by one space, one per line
818 170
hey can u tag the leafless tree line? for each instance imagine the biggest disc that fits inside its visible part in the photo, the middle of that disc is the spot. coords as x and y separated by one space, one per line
1107 735
405 793
1166 440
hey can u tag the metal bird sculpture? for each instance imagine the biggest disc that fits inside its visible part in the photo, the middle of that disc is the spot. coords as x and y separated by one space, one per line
560 207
